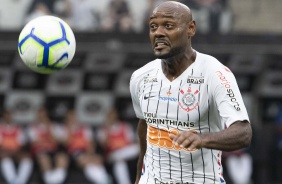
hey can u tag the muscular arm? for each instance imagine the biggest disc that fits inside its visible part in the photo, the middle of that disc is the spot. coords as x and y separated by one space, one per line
142 133
235 137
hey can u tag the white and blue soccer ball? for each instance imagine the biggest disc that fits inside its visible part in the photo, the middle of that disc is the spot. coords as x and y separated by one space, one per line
46 44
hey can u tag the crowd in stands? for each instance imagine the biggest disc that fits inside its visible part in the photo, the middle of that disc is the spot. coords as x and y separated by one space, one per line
115 15
53 148
102 153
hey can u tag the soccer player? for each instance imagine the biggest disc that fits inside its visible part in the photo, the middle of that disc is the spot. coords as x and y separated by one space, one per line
189 105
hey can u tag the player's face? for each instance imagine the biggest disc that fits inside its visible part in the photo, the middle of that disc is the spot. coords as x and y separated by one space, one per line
168 33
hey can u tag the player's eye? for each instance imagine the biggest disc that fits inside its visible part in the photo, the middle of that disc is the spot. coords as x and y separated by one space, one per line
169 26
153 26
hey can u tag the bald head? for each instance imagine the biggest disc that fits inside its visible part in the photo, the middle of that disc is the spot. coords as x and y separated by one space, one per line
171 29
175 8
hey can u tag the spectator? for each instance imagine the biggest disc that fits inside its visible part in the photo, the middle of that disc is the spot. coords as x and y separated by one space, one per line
117 139
214 15
79 14
12 14
40 8
45 138
151 4
117 17
80 145
12 149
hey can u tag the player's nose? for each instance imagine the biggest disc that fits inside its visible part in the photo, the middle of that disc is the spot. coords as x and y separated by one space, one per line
160 31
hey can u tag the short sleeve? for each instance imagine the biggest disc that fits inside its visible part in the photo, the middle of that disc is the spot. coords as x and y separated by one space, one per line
228 97
134 92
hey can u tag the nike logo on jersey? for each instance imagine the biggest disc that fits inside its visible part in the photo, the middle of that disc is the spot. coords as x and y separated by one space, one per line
146 97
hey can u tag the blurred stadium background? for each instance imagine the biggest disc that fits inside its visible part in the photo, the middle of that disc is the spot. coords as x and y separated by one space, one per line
244 35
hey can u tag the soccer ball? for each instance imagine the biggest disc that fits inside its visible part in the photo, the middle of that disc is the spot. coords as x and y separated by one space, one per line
46 44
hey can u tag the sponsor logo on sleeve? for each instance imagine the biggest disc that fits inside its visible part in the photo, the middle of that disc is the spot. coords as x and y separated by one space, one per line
224 81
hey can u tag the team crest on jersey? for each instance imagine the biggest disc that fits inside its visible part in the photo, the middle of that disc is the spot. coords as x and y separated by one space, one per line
188 101
149 79
195 80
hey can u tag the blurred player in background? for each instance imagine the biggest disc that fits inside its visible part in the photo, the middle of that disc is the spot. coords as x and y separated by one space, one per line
239 166
80 145
119 143
184 99
13 142
46 136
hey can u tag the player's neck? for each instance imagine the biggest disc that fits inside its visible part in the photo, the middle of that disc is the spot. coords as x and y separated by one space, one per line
174 67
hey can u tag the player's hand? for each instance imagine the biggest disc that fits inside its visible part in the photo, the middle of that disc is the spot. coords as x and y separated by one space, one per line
187 139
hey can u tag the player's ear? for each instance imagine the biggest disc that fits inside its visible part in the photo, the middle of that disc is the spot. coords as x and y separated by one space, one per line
191 28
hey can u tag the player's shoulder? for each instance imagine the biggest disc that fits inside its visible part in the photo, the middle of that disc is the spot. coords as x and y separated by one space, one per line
208 60
145 70
210 63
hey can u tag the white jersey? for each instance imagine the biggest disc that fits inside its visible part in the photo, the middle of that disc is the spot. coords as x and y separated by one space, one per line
204 98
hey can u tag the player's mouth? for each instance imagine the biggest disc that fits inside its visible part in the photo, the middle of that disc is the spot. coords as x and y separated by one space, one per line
160 45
